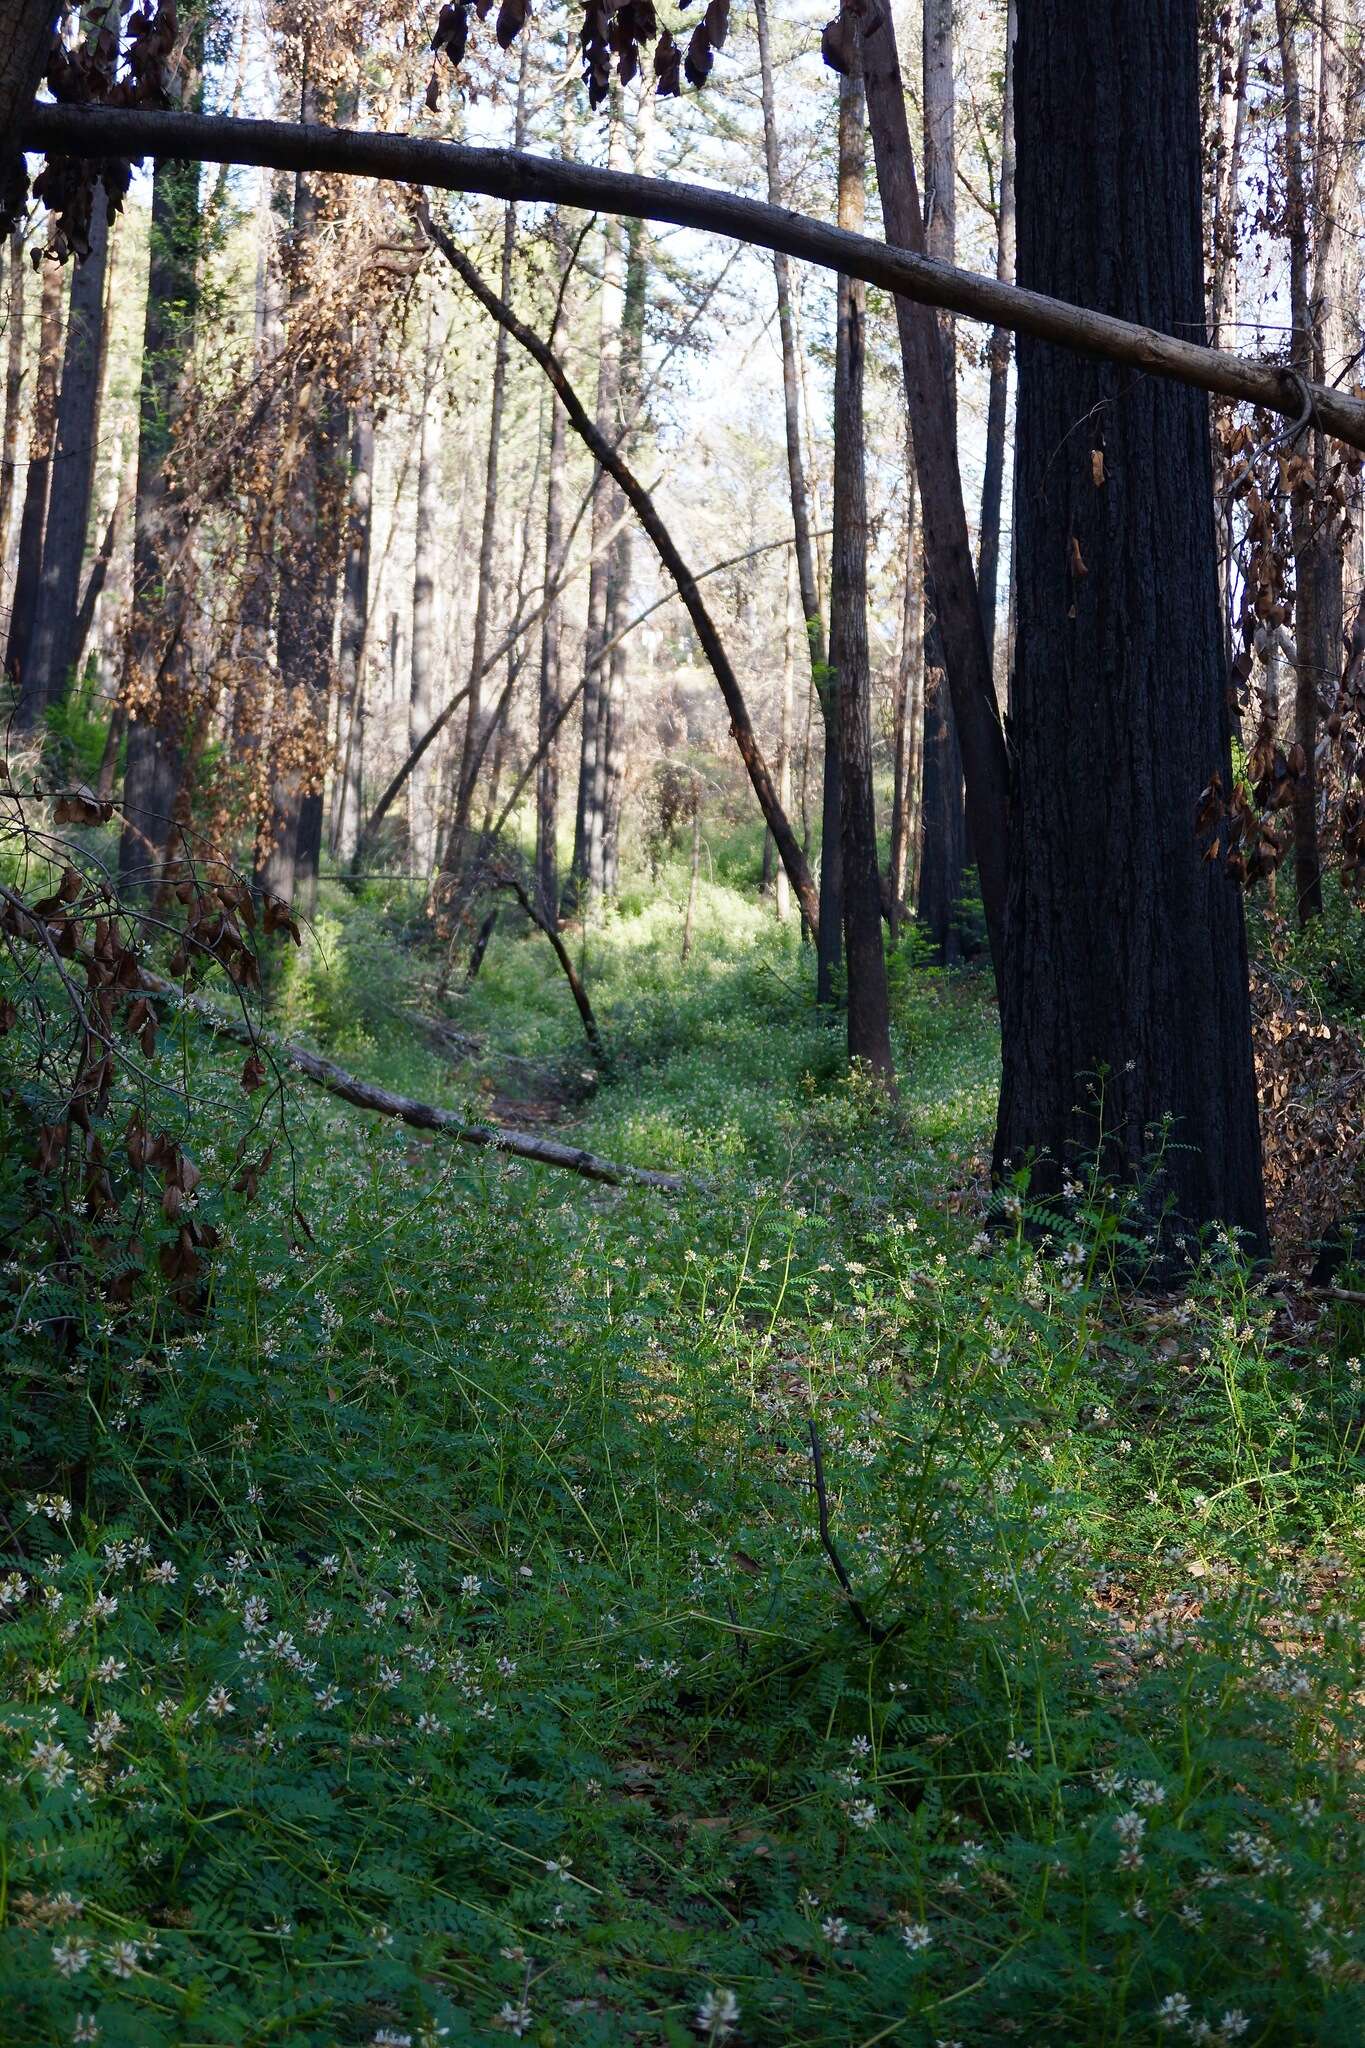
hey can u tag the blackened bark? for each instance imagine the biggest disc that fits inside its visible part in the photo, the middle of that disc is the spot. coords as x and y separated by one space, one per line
73 471
29 565
1125 991
155 674
869 1013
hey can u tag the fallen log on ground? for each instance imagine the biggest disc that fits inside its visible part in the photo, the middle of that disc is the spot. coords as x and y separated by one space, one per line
423 1116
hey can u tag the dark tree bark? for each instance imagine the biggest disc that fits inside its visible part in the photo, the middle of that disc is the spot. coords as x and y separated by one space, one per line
1125 997
73 470
155 674
869 1011
42 427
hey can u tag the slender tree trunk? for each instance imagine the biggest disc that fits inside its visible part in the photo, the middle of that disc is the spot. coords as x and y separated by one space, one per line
464 782
943 822
993 476
1125 987
14 377
99 574
348 796
613 735
947 547
869 1013
908 742
306 596
42 428
551 686
426 557
694 870
73 469
782 887
1311 627
155 689
586 876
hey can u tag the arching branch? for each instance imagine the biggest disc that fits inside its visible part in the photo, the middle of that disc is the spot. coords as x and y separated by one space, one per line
514 174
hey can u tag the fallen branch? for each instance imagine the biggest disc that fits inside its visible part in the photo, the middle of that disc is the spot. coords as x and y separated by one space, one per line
874 1629
423 1116
513 174
741 725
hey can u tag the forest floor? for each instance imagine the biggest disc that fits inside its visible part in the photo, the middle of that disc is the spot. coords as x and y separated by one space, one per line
442 1647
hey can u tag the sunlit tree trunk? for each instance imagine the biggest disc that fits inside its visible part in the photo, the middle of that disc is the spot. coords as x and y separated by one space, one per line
348 795
908 723
14 377
426 559
993 475
42 427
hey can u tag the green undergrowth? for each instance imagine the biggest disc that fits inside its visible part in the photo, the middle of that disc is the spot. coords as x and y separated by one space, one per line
433 1640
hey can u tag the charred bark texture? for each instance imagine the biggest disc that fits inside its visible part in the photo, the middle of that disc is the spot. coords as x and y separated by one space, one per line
1125 1000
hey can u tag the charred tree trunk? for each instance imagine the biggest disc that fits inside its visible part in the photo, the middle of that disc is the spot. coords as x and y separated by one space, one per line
869 1013
155 674
1125 995
73 470
42 428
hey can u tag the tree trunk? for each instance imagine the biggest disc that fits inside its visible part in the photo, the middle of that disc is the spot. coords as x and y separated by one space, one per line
781 886
807 574
156 666
613 737
1310 627
942 821
869 1012
348 796
551 639
14 377
908 741
586 874
426 557
42 428
73 469
464 781
306 596
1125 988
947 547
993 476
25 40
